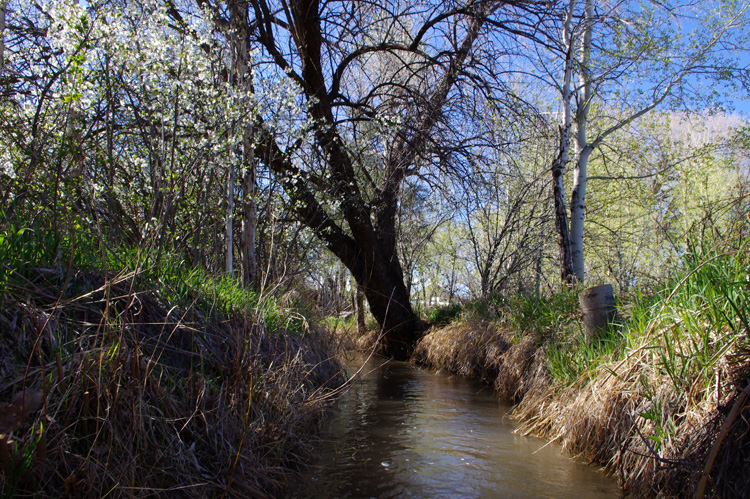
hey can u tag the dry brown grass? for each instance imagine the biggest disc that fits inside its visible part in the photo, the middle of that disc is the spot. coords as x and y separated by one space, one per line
625 416
144 399
368 342
484 351
654 438
468 349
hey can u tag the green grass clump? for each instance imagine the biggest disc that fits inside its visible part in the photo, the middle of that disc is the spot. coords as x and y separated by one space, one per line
445 314
701 315
579 357
24 250
543 315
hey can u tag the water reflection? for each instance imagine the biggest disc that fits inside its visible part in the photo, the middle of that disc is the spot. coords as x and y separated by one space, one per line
404 432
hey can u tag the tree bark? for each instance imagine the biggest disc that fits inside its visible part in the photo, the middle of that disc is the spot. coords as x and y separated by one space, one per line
583 148
229 222
368 245
242 80
359 305
578 213
567 275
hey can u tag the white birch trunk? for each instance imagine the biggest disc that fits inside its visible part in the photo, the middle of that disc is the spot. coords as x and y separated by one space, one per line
583 149
558 165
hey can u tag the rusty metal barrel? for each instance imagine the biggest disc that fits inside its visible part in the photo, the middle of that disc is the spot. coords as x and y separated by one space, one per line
598 307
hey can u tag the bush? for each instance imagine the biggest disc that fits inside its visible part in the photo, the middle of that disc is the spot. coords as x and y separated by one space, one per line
443 315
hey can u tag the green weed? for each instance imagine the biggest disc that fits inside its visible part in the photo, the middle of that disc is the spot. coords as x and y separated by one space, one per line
443 315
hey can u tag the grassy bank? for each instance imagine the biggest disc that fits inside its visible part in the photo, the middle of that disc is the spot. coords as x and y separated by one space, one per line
661 399
122 377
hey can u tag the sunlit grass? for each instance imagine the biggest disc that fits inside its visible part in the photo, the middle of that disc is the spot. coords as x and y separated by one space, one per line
640 397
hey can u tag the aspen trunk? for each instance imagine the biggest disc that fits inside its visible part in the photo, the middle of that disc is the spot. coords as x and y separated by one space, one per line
578 213
583 148
567 275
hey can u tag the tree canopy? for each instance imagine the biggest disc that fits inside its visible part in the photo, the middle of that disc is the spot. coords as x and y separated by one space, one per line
424 144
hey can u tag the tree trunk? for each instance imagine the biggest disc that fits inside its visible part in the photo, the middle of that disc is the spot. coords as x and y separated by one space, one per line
366 244
578 213
249 228
240 79
583 148
359 305
567 274
389 303
229 227
598 308
561 222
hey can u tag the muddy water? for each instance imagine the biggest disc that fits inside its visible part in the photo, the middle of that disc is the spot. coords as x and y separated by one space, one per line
401 431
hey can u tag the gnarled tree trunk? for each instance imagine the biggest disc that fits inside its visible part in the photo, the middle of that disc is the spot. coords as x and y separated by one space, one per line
366 244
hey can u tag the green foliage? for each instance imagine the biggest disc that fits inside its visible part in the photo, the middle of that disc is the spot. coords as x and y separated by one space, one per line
703 314
689 326
171 278
23 248
440 316
573 358
332 322
545 316
675 171
542 315
490 308
226 296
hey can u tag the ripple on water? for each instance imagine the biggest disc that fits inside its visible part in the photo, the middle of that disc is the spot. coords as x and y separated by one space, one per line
406 432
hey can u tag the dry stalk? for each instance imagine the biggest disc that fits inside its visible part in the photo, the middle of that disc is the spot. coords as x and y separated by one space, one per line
737 408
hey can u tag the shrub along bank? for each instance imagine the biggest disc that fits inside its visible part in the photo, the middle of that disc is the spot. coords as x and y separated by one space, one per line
129 379
660 399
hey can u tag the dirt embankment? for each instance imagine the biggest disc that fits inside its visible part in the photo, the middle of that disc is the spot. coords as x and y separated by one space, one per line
111 390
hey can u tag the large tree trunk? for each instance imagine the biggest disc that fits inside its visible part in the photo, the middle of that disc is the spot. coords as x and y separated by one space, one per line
382 281
362 233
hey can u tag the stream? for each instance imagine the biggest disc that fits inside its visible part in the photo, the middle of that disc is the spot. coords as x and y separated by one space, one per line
402 431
